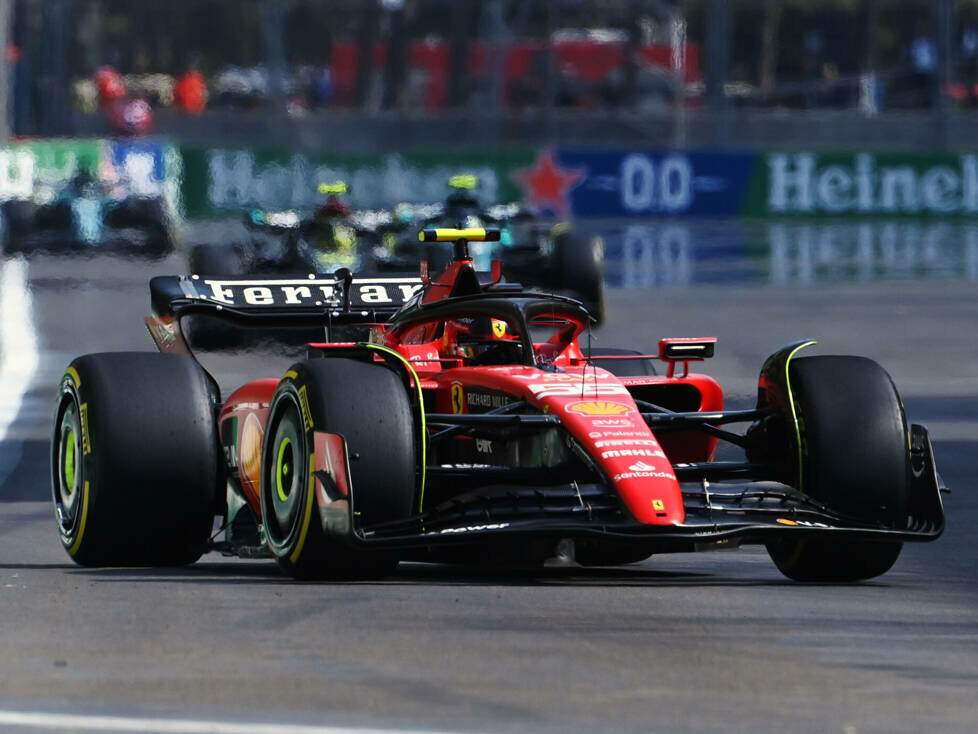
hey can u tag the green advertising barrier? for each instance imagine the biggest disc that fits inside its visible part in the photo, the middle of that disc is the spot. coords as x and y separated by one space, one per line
26 165
219 182
140 166
863 184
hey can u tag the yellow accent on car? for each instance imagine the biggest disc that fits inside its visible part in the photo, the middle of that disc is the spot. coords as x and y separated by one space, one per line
447 234
307 513
463 181
73 549
336 187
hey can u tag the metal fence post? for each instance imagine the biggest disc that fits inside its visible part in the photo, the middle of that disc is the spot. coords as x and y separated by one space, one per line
942 32
717 42
6 77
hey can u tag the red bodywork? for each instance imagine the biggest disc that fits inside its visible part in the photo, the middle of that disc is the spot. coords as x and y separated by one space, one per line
596 407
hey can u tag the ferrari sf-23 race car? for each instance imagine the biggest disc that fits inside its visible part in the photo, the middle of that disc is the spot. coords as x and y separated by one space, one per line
468 424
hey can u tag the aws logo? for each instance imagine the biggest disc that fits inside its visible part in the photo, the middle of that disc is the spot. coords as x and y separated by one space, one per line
598 407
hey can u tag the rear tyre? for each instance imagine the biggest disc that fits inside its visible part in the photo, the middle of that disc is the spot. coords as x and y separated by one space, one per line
579 269
369 407
216 260
205 332
854 459
135 462
620 367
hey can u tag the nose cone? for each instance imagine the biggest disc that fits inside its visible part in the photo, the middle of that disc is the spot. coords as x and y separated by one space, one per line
600 413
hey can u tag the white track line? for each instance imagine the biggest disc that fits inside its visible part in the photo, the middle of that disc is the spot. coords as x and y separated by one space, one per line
80 722
18 342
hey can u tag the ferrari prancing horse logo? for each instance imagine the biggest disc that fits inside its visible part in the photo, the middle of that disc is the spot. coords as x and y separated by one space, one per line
458 398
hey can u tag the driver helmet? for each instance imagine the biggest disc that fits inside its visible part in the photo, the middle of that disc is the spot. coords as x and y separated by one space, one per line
486 338
334 206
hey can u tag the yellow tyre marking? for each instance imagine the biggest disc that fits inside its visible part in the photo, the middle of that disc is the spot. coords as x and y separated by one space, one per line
73 374
310 491
794 414
424 427
84 519
290 375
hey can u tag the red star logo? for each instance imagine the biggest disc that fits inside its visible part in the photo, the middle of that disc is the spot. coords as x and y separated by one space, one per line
546 184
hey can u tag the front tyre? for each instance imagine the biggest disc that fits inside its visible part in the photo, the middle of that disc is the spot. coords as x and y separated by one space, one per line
134 460
854 458
368 405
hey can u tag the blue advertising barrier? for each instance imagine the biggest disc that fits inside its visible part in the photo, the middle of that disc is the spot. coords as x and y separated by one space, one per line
656 183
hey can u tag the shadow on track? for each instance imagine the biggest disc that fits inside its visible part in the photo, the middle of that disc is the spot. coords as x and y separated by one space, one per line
442 575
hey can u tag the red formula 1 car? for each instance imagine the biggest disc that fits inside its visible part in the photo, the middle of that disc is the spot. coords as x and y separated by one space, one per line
471 426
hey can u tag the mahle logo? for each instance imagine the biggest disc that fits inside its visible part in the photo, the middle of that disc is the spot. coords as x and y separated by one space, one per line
798 185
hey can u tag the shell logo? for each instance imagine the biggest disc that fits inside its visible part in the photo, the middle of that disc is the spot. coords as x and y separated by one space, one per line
250 451
598 407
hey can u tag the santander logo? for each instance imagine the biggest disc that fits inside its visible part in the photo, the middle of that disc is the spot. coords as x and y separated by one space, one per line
641 466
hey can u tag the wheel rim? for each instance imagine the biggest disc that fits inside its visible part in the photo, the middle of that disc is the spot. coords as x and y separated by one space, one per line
282 479
285 469
70 469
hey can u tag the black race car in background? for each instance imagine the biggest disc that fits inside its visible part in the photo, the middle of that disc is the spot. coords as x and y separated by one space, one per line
85 214
546 254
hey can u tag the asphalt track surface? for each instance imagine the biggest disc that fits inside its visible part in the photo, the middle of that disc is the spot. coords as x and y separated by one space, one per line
694 643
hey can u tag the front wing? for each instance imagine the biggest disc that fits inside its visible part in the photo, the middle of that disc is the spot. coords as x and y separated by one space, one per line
721 515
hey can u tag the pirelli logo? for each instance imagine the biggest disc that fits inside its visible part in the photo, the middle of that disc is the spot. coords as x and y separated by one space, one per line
86 440
304 405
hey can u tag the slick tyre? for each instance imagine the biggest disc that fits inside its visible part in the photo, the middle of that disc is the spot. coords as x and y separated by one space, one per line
135 460
205 332
579 269
854 459
215 260
366 404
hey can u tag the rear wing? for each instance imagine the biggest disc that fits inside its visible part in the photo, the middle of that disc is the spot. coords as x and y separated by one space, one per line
339 299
